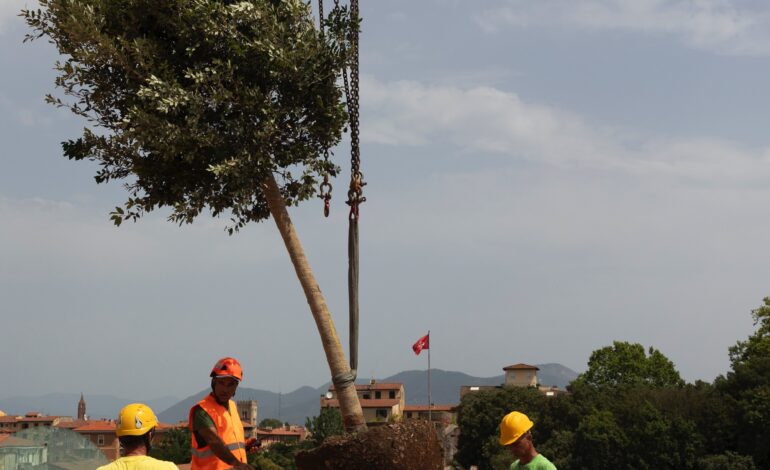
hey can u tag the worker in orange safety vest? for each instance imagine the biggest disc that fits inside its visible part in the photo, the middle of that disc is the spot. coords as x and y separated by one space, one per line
218 441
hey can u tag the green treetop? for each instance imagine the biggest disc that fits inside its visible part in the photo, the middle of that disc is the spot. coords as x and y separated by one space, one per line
195 103
625 363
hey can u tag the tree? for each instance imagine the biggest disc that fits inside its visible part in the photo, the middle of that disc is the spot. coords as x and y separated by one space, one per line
270 423
600 442
749 384
479 418
278 456
199 105
627 364
727 461
175 446
328 423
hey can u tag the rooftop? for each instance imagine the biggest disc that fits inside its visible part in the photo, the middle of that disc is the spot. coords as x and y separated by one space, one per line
521 366
374 386
433 408
376 403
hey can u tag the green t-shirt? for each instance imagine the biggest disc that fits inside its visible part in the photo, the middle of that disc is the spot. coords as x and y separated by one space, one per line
538 463
139 462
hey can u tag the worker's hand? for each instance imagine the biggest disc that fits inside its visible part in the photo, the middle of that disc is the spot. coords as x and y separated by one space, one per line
253 445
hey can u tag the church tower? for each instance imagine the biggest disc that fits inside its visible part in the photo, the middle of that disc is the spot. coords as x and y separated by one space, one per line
81 409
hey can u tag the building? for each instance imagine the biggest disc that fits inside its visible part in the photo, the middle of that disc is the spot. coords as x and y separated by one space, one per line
517 375
33 419
380 402
101 433
8 424
247 410
287 434
521 375
82 409
444 414
20 453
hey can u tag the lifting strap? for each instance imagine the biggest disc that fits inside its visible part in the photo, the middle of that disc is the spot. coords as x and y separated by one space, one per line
355 190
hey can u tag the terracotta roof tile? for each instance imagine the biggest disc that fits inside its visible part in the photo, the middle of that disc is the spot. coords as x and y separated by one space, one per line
38 419
97 426
72 424
8 419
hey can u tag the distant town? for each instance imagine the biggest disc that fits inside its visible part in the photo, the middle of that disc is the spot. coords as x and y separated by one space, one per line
382 403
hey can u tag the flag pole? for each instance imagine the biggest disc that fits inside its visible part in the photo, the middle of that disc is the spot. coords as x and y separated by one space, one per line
430 399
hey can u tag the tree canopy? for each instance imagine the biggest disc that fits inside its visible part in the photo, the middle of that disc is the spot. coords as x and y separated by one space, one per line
749 384
328 423
270 423
194 103
625 363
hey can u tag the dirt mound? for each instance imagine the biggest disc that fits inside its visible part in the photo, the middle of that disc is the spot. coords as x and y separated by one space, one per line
404 446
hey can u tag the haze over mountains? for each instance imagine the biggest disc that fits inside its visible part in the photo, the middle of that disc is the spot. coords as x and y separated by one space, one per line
66 404
291 407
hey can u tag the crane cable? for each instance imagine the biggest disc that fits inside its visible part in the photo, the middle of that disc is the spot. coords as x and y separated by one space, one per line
355 189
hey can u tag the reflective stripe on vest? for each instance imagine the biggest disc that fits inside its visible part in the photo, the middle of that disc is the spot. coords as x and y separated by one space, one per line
208 452
229 429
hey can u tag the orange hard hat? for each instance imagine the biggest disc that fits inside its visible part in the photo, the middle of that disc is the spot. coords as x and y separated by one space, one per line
227 367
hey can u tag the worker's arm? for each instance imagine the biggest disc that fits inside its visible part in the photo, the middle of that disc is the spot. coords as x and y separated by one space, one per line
220 449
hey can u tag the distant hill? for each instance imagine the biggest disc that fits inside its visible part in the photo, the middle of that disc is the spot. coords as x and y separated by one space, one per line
66 404
304 402
294 406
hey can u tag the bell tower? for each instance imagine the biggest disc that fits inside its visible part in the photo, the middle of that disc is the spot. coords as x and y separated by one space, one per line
81 408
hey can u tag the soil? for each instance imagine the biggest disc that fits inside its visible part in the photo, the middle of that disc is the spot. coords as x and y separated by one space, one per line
410 445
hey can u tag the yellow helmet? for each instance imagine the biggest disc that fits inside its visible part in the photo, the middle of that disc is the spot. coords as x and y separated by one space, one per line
513 426
135 419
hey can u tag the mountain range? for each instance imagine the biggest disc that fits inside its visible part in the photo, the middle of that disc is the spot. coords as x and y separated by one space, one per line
291 407
294 407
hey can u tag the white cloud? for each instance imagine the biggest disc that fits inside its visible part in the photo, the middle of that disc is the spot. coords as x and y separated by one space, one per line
489 120
723 26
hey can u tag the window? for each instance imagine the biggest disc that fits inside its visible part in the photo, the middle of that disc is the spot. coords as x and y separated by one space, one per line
100 439
382 413
377 395
367 396
392 394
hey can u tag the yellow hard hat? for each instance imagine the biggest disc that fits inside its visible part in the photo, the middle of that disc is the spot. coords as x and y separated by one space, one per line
135 419
513 426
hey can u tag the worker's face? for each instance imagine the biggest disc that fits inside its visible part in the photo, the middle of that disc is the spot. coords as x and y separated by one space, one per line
520 447
224 389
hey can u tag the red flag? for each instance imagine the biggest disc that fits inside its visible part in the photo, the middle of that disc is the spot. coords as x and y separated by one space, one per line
422 343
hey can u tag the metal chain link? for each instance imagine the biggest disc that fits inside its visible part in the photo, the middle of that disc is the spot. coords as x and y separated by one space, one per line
355 191
325 189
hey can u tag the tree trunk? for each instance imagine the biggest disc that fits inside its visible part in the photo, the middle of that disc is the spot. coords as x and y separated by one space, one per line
350 407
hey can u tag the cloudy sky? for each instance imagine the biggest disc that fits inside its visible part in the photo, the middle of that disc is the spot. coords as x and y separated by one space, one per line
544 178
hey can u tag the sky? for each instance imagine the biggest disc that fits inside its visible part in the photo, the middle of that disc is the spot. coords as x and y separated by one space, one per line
544 178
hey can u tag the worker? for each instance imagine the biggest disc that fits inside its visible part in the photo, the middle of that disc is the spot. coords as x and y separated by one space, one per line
135 429
516 436
217 432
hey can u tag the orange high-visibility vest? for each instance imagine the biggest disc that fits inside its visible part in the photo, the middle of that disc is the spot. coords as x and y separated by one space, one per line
229 429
